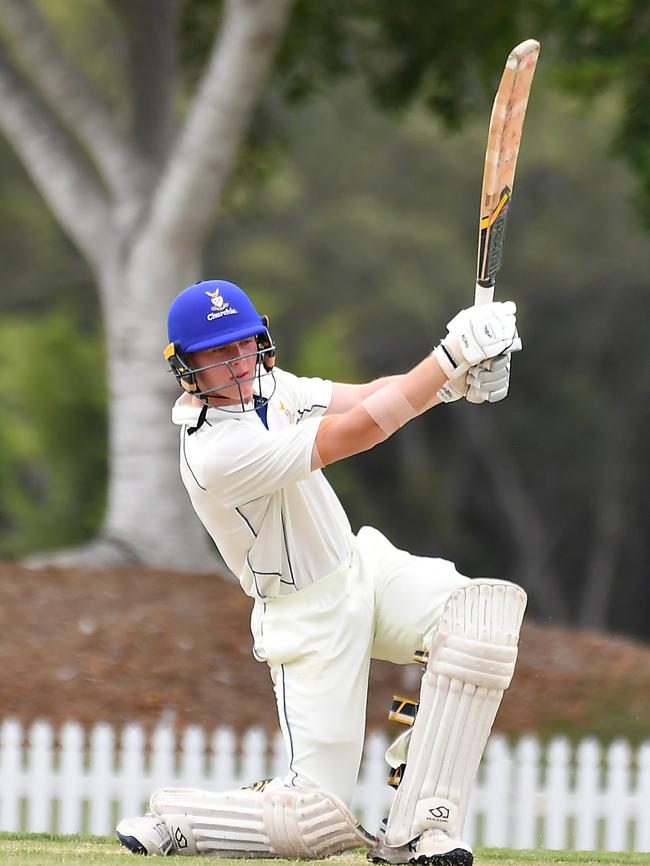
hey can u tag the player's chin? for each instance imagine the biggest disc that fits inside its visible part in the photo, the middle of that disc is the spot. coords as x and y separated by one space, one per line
232 394
246 387
241 392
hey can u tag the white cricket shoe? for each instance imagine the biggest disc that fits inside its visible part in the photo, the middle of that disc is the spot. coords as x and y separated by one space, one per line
146 834
431 848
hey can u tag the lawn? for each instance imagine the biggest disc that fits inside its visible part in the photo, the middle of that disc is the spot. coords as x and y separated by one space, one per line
24 849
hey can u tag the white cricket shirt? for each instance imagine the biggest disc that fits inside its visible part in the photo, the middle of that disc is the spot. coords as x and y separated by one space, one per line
278 525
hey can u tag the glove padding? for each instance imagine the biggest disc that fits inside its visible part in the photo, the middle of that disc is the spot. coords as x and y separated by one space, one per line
487 382
477 334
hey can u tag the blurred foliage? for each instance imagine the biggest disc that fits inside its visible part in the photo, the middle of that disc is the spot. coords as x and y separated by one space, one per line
449 56
90 35
363 245
601 43
41 270
52 433
355 229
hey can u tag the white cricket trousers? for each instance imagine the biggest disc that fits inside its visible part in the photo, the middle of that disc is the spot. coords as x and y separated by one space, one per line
318 642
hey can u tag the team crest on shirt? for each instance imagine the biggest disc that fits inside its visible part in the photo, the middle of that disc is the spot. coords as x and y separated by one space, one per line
291 416
219 306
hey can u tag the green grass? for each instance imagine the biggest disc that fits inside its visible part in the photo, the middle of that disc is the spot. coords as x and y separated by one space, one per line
40 849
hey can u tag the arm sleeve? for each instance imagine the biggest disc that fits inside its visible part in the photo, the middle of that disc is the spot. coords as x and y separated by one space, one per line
255 462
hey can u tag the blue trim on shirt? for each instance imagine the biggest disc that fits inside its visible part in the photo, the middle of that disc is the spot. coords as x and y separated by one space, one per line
263 573
302 412
246 520
262 409
286 547
187 462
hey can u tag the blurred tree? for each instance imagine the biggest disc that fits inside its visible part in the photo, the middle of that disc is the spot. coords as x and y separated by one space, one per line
366 251
448 56
41 269
135 187
135 175
603 44
52 448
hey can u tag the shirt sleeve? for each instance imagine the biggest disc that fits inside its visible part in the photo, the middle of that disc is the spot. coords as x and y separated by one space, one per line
311 395
251 462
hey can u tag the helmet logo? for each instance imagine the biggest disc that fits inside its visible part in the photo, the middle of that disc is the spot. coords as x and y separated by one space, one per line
219 306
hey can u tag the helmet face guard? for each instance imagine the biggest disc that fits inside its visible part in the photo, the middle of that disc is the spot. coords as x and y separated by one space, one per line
217 313
186 374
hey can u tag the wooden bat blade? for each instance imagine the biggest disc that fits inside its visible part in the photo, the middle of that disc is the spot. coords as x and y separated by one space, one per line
504 138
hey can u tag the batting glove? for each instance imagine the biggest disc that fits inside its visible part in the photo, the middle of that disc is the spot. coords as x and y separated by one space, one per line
477 334
487 382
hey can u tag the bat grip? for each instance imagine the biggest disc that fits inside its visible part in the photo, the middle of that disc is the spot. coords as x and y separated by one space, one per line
483 294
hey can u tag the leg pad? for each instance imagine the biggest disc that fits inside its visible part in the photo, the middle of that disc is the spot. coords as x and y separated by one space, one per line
275 822
471 663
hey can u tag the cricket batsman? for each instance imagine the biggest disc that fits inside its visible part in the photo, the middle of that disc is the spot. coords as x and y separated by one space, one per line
254 440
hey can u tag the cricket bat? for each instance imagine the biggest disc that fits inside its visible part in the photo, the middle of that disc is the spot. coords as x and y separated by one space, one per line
504 137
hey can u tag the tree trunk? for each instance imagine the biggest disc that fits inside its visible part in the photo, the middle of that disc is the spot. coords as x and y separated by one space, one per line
149 519
147 511
139 215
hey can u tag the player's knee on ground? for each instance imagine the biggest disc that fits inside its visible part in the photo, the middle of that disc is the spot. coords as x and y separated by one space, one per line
276 821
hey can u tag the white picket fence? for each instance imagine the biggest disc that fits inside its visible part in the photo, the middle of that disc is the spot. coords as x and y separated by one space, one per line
526 796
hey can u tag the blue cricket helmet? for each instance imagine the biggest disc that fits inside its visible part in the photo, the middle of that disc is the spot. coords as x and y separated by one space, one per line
212 313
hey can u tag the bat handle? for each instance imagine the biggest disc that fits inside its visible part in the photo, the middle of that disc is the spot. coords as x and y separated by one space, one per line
483 294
